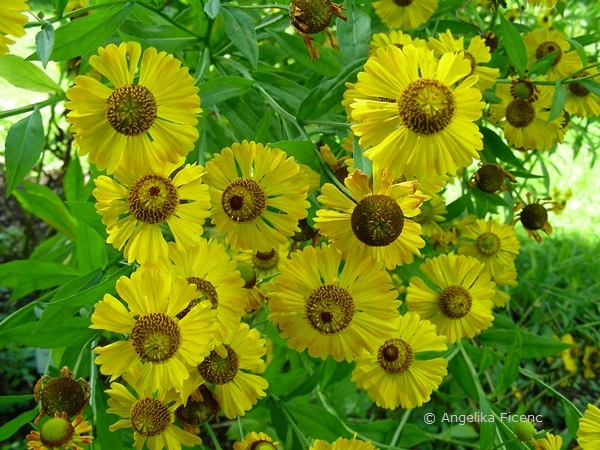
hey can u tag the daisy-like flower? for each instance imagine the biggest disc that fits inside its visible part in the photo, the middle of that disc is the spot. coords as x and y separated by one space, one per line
461 305
199 408
135 205
580 100
162 343
591 362
12 22
432 214
534 216
374 221
58 433
540 42
405 14
265 264
523 113
549 442
588 434
396 37
153 120
343 444
392 375
415 119
333 312
570 356
213 272
492 243
477 53
151 414
256 441
227 369
258 195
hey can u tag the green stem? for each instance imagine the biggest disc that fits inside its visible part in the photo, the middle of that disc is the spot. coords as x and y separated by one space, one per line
398 432
240 428
273 6
79 12
212 436
40 105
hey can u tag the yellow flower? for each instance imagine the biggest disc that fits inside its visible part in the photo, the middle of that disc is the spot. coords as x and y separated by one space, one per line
76 4
540 43
523 113
257 195
376 222
508 277
58 433
550 442
405 14
265 264
135 205
163 344
332 313
256 441
591 362
396 37
393 375
432 214
546 3
226 368
580 100
461 306
477 53
415 119
570 356
151 415
12 22
343 444
151 122
209 268
588 435
492 243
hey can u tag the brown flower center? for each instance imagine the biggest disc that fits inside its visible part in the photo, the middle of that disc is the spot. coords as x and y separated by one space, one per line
426 106
454 302
219 370
377 220
329 309
395 356
489 178
63 395
56 433
266 260
197 412
152 199
131 109
578 89
545 48
150 416
402 3
243 200
534 216
488 244
520 113
155 337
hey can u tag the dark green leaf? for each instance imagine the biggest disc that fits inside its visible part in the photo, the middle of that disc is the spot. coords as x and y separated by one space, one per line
10 399
558 102
317 423
285 90
534 346
86 212
13 426
240 29
60 6
74 184
24 145
90 250
572 416
217 90
592 86
511 365
261 133
456 208
212 8
412 436
354 34
514 46
42 202
460 372
487 430
295 48
523 174
278 419
307 386
88 33
281 384
495 144
26 75
328 94
105 438
70 332
44 43
580 51
542 65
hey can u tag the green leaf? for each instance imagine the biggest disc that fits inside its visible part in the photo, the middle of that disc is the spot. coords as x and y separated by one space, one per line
511 365
354 34
542 65
26 75
28 276
261 133
212 8
460 372
217 90
302 151
90 249
42 202
307 386
558 102
70 332
295 48
328 94
14 425
580 50
317 422
487 430
572 416
74 184
514 46
44 43
412 436
240 29
24 145
534 346
105 438
592 86
60 6
10 399
86 212
494 144
456 208
87 33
